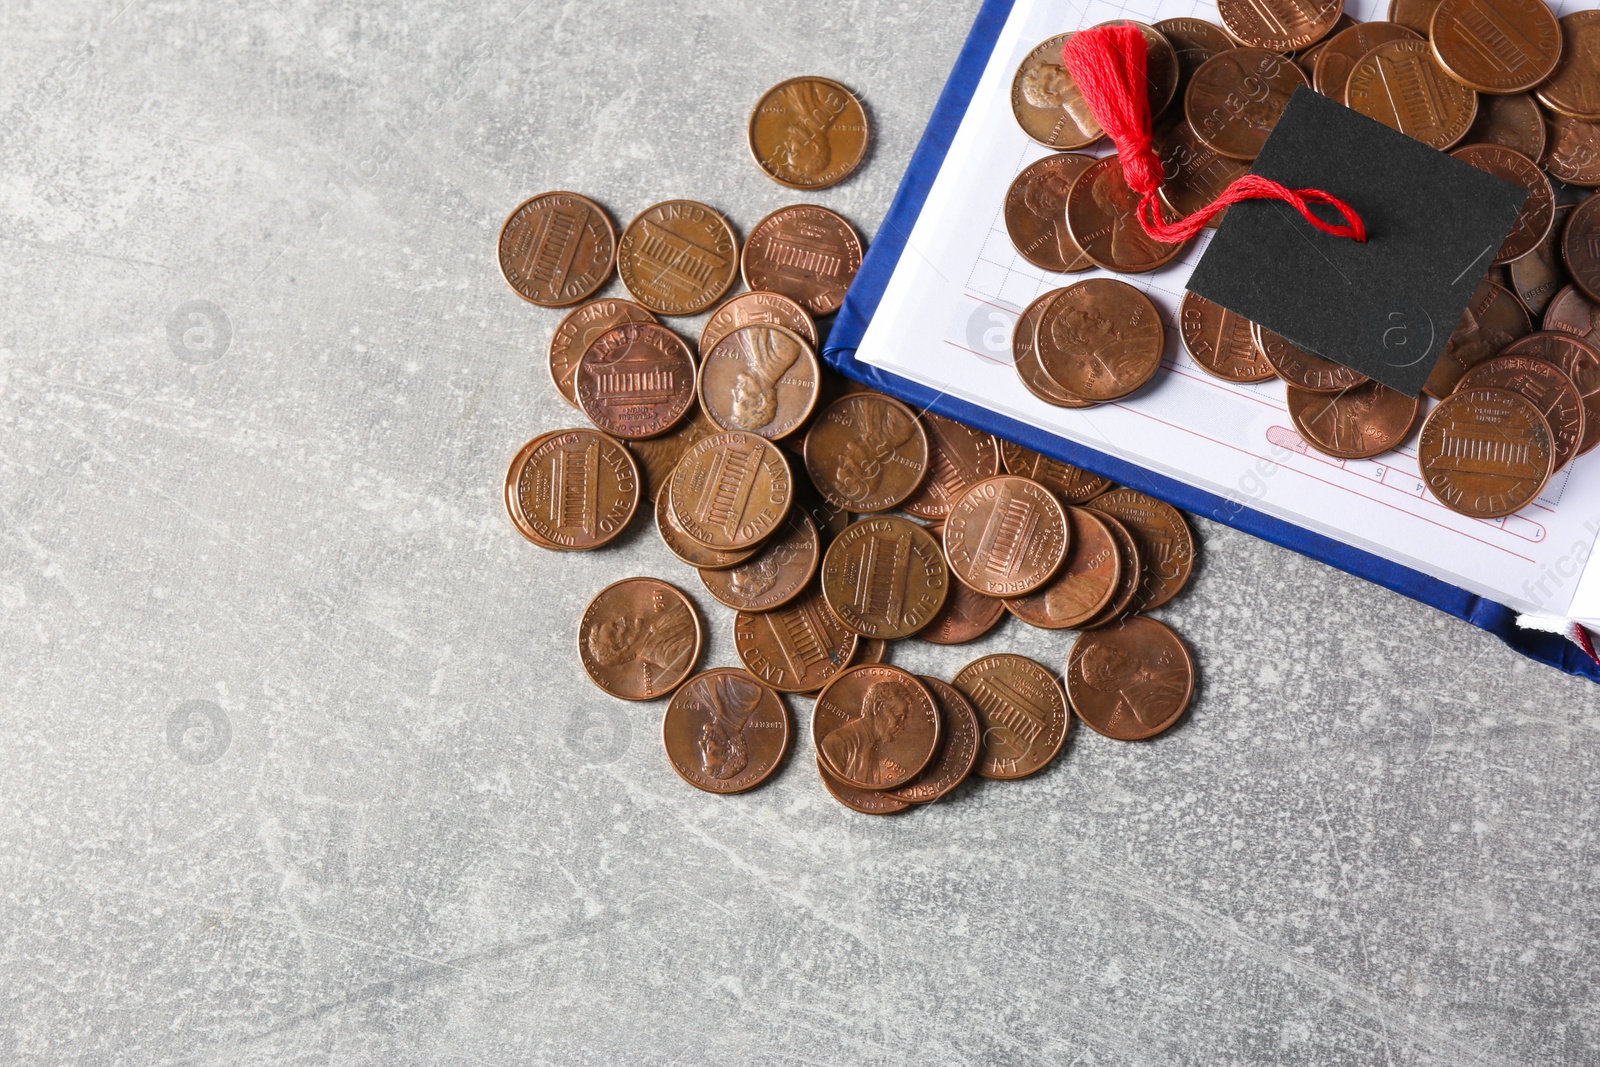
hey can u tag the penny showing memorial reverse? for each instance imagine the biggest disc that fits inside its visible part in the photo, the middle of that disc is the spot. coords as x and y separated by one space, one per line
1192 173
582 326
807 253
1084 585
639 638
1573 87
1551 391
799 648
1357 423
958 457
1341 51
1429 105
1025 356
885 577
691 551
775 575
957 753
808 133
1006 536
1514 121
866 452
1072 484
1235 98
1538 276
556 249
730 490
1099 339
1580 246
1022 714
1485 453
658 456
678 257
875 727
1496 46
1220 341
1579 360
636 380
1130 681
724 731
770 309
1574 155
1538 210
1279 25
572 489
1036 213
1166 546
1129 581
1103 217
1300 368
966 616
1491 321
760 378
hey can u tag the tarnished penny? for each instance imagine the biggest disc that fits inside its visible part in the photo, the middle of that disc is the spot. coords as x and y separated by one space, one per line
1514 121
658 456
1580 246
1339 54
1194 41
1485 452
1574 154
808 133
639 638
1538 276
1492 320
773 576
966 616
1166 546
1533 221
1131 680
1579 360
1357 423
582 326
771 309
798 648
688 549
1573 313
556 249
1300 368
1400 84
1129 581
959 740
1573 87
1102 216
1496 46
1414 15
875 727
731 490
958 457
1022 714
1192 173
760 378
866 452
1100 339
865 801
573 489
1235 98
678 257
1279 25
885 577
724 731
807 253
636 380
1036 213
1551 391
1084 585
1025 356
1006 536
1220 341
1072 484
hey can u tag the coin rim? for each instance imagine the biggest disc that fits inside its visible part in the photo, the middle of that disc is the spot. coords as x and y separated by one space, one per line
783 753
866 134
806 349
605 276
1167 723
694 660
710 300
1066 716
938 724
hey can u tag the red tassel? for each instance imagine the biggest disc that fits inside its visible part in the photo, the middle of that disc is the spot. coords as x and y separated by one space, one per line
1107 63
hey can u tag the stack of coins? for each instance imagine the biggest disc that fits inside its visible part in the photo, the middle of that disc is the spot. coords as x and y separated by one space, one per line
1502 84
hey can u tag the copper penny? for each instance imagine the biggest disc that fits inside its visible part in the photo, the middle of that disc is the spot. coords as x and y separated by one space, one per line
1022 714
678 257
807 253
1161 69
1357 423
639 638
573 489
958 457
1573 313
875 727
1540 274
1533 221
865 801
797 648
1166 545
1574 154
871 650
1414 15
1130 579
1100 339
958 746
636 380
688 549
1551 391
1496 46
1130 681
1102 216
1492 320
582 326
966 616
1485 452
1049 106
773 576
1036 213
1025 357
731 490
1339 54
1006 536
770 309
1279 25
556 249
724 731
1580 246
866 452
1192 173
1300 368
1236 97
1072 484
1400 84
1194 41
1220 341
1084 585
1573 87
885 577
1514 121
808 133
1581 362
760 378
658 456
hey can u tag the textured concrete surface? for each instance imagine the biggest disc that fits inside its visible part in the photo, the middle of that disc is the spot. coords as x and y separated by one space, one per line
297 763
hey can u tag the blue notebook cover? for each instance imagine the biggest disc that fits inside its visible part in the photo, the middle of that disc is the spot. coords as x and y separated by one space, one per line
865 293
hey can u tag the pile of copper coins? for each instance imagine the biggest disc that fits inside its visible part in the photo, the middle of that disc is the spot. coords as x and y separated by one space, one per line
831 519
1502 84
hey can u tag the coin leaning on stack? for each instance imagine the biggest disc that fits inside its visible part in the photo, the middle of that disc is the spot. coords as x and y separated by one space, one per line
1503 85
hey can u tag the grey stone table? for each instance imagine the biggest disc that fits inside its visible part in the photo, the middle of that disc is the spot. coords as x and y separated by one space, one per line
298 764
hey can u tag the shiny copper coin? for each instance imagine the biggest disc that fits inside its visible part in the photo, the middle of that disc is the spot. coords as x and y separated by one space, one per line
1401 84
1573 87
1533 221
556 249
1084 585
658 456
1496 46
1492 320
1580 361
724 731
1166 545
760 378
1514 121
957 754
1574 155
865 801
1414 15
1341 51
1485 453
1022 714
1279 25
1025 356
1551 391
678 257
1100 339
885 577
691 551
797 648
1102 216
1573 313
875 727
1539 275
1580 246
773 576
966 616
805 252
1036 213
808 133
958 457
1129 581
1357 423
1192 173
1194 41
1220 341
636 380
639 638
1049 106
866 452
731 490
1130 681
1236 97
573 489
770 309
1006 536
1300 368
1072 484
582 326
